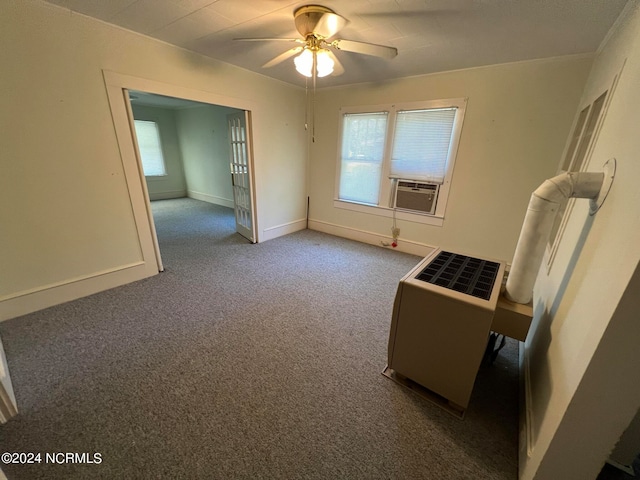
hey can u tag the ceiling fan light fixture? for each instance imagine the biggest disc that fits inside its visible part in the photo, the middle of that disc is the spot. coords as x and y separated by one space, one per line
324 63
314 54
304 62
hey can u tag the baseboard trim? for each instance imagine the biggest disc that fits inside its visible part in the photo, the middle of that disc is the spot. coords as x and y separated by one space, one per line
526 440
628 469
205 197
284 229
167 195
28 301
372 238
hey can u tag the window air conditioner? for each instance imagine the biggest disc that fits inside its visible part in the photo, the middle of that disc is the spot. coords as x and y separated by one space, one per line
419 197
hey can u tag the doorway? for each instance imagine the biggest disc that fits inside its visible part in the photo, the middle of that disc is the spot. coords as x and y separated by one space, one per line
192 178
195 150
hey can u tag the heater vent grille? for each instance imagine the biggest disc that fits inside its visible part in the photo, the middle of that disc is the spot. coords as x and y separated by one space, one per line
468 275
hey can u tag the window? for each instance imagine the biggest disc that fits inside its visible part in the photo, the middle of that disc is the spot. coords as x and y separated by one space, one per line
575 160
384 145
421 144
363 140
150 149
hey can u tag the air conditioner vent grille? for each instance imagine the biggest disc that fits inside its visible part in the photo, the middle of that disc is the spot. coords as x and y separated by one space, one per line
468 275
416 196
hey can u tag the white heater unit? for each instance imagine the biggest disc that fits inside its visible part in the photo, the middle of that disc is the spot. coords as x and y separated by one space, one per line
415 196
444 311
442 319
446 307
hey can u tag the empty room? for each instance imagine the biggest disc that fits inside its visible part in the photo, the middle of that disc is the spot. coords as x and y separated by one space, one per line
275 239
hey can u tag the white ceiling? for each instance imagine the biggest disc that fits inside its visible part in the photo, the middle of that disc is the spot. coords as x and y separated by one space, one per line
430 35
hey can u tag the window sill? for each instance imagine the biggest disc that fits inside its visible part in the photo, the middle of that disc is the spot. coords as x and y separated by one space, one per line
388 212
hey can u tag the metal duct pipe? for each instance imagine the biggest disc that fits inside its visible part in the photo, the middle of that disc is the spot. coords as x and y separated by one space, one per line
537 225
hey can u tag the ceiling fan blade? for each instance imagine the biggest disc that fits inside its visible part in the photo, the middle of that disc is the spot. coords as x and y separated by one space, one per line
282 57
365 48
277 39
338 69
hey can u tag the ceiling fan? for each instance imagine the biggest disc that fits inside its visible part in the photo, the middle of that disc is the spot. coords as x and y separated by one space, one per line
317 25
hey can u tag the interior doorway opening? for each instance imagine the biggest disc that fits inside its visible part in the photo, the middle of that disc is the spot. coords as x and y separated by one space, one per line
118 88
195 150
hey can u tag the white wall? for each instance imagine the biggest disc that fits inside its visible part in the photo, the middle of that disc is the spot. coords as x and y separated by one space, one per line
517 118
204 143
172 185
582 354
64 205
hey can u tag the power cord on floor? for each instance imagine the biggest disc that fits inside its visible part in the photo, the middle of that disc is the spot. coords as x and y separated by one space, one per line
395 233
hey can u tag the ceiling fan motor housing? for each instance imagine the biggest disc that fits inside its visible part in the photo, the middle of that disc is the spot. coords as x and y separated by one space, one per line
318 21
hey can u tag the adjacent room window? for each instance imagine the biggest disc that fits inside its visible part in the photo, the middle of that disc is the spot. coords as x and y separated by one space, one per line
411 145
575 160
148 137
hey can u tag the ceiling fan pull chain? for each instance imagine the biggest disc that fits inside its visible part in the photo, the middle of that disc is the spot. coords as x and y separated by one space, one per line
313 106
306 104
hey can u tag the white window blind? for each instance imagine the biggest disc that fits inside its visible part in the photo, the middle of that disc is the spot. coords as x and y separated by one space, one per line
421 144
150 148
363 141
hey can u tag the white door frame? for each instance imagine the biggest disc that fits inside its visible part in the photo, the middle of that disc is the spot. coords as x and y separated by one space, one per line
8 407
117 86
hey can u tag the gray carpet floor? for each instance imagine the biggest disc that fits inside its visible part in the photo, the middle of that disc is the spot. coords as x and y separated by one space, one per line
244 361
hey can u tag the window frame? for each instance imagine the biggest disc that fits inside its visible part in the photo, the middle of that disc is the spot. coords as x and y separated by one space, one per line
159 135
387 186
570 162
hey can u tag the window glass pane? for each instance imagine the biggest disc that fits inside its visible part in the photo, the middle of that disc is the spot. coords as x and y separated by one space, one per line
421 144
585 141
580 142
150 149
363 137
566 164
